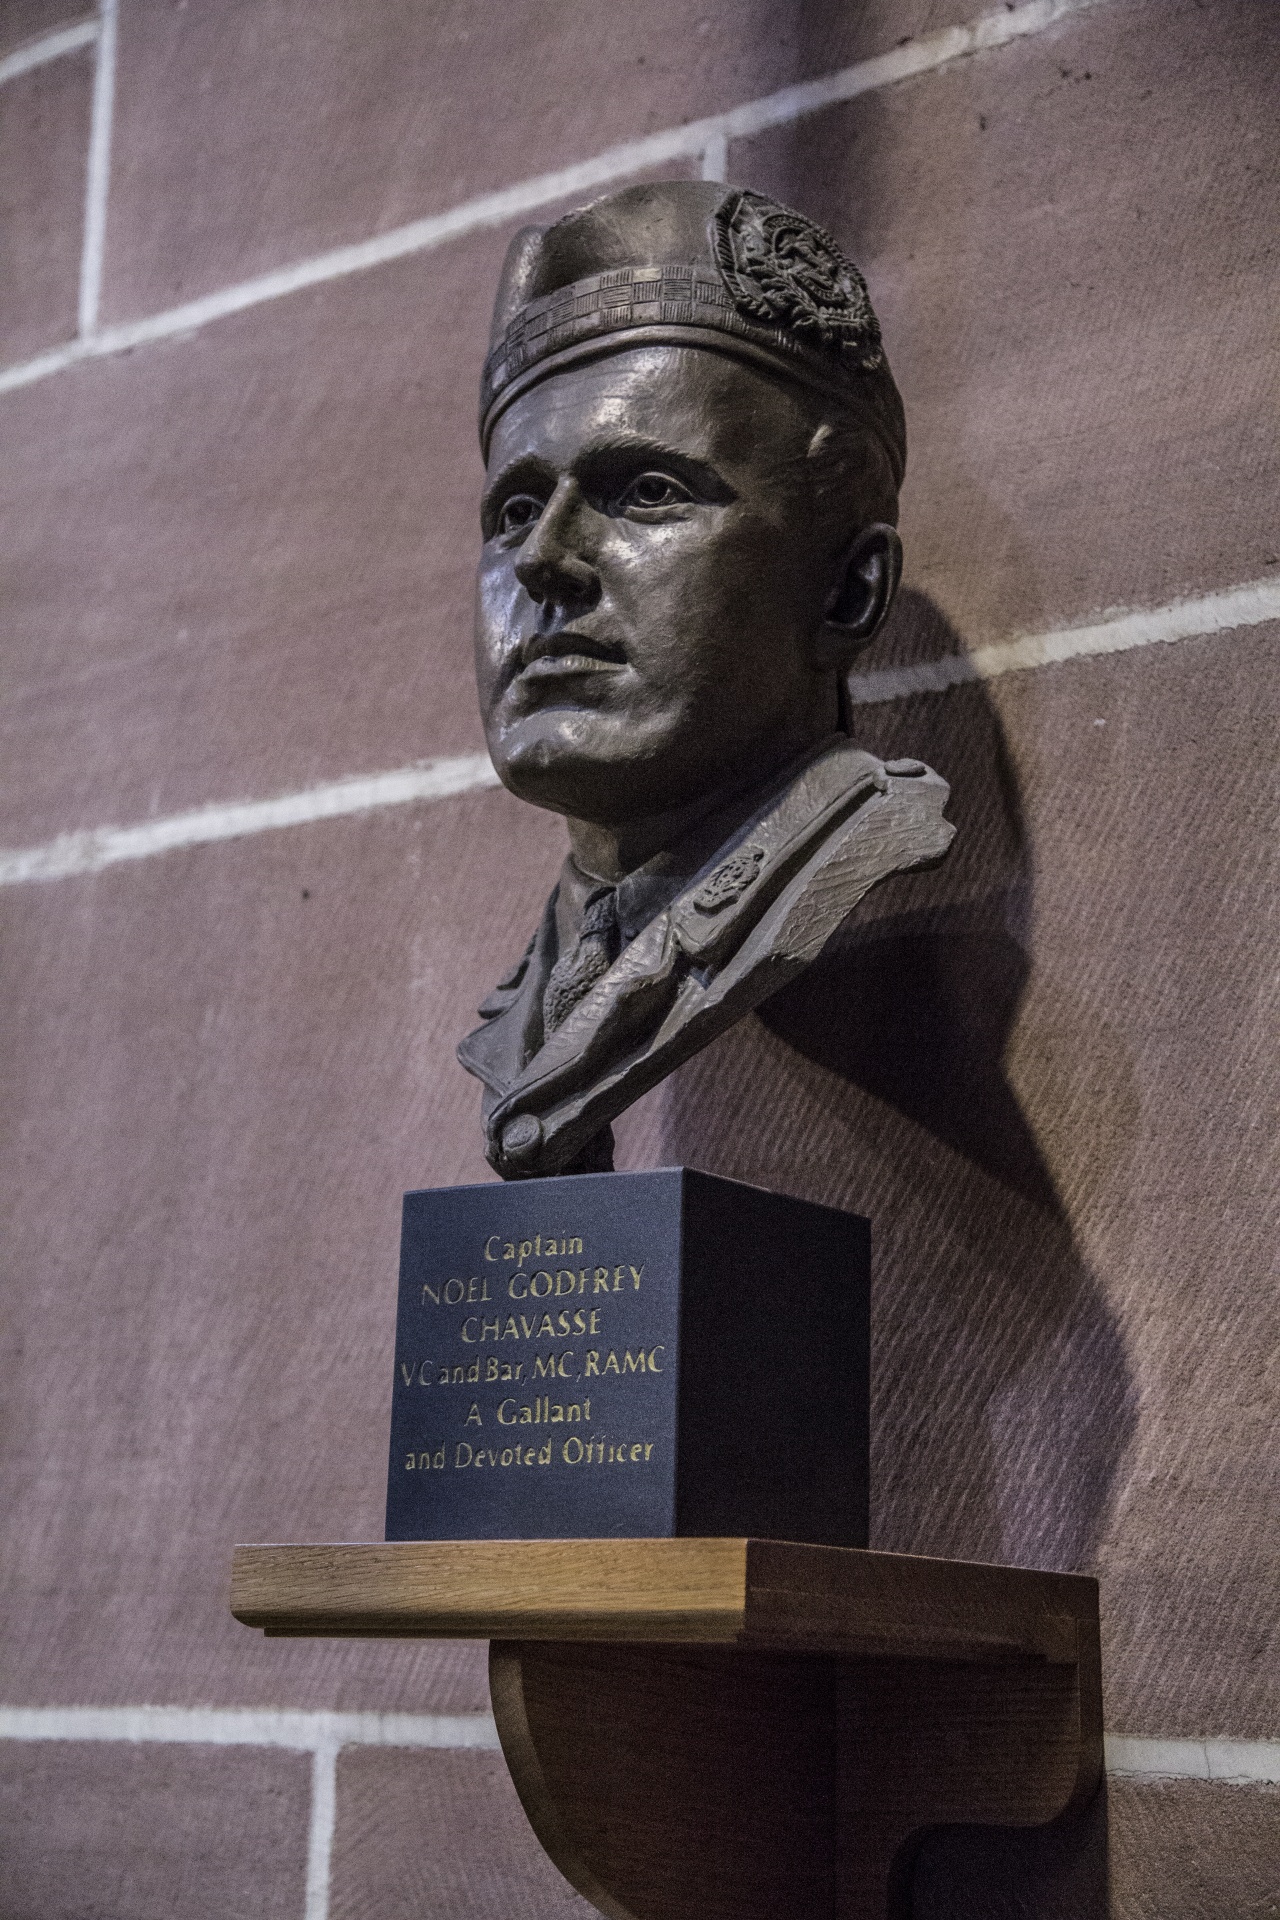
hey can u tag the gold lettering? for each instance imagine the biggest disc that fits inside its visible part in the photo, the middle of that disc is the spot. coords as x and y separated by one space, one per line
543 1246
593 1362
461 1448
611 1364
635 1277
523 1294
653 1361
473 1418
430 1293
600 1453
505 1419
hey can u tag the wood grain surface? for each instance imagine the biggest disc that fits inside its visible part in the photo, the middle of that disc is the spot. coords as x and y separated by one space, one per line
537 1589
767 1594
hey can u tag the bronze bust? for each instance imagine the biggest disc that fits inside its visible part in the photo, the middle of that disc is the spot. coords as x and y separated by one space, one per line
694 448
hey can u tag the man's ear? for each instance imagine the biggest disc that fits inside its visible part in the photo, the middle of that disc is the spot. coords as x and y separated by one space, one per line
856 607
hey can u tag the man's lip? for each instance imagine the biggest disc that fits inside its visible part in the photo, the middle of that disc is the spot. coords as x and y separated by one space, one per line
554 666
548 655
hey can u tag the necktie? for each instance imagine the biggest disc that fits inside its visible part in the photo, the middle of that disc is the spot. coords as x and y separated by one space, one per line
577 971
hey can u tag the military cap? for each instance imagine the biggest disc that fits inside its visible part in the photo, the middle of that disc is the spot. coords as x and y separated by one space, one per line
690 263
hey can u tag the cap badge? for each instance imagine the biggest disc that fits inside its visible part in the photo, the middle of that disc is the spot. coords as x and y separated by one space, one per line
785 270
730 880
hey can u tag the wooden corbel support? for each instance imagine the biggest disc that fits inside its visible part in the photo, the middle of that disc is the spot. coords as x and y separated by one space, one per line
738 1729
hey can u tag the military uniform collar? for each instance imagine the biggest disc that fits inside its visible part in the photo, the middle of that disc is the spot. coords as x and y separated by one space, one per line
512 1035
643 893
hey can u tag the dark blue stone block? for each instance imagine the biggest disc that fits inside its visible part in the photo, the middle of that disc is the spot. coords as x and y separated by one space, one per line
622 1355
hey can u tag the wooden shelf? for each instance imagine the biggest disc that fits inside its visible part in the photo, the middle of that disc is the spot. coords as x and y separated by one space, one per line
768 1594
737 1729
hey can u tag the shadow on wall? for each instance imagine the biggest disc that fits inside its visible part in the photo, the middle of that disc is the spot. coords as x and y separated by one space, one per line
1030 1403
1002 1402
1003 1405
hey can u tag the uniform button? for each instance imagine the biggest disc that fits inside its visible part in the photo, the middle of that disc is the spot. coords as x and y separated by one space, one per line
905 769
521 1139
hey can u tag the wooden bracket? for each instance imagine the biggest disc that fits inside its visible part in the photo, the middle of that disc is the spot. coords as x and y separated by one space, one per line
738 1729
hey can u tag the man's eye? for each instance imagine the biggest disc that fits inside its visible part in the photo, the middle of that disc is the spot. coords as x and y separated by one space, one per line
650 490
519 513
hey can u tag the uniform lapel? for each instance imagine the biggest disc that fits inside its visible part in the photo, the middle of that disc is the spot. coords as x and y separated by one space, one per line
512 1032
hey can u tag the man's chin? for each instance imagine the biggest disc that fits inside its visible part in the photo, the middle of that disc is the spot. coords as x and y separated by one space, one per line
580 764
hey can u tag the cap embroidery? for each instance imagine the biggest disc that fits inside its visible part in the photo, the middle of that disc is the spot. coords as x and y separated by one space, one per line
785 270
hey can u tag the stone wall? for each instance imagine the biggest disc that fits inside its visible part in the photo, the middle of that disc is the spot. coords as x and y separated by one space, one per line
249 249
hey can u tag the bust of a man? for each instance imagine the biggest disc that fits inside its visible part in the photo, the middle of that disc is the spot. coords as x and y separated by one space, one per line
694 447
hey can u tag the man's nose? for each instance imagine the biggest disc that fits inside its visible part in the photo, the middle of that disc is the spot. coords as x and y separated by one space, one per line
552 566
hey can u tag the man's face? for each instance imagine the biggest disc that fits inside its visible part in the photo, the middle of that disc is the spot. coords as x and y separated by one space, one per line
651 583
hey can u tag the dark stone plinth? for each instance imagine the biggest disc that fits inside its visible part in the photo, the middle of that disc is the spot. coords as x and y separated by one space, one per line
626 1355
